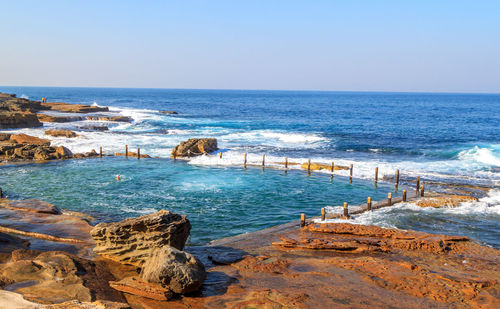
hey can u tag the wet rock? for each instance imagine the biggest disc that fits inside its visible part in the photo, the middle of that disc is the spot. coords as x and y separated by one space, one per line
321 166
63 152
110 118
28 139
176 270
58 119
32 205
38 220
263 263
139 287
24 254
360 238
61 133
132 241
9 243
132 154
224 256
195 147
22 147
169 112
444 201
73 108
10 120
95 128
4 137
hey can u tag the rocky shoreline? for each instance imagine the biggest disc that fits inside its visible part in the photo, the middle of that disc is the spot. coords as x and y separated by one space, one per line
52 257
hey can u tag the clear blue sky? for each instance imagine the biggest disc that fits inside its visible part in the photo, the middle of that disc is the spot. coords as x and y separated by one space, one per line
451 46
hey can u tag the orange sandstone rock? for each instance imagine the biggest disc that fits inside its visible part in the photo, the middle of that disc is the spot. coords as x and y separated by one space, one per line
444 201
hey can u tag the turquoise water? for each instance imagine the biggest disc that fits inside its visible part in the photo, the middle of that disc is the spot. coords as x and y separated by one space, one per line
451 138
219 202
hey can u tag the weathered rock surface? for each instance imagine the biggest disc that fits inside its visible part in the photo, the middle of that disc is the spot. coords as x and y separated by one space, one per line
110 118
11 300
58 119
42 221
53 277
321 166
20 147
9 243
136 286
444 201
28 139
90 154
95 128
73 108
18 112
132 241
195 147
9 102
37 206
357 238
9 120
132 154
61 133
176 270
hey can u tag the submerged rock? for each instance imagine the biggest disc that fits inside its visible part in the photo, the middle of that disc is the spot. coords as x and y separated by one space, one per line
169 112
177 270
95 128
110 118
195 147
132 241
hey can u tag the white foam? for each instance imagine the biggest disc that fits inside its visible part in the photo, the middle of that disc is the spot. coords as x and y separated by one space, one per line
386 217
276 138
484 155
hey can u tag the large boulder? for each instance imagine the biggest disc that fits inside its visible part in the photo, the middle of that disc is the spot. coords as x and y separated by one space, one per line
9 120
195 147
133 240
176 270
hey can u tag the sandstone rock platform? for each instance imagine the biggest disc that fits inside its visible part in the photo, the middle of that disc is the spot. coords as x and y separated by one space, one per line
195 147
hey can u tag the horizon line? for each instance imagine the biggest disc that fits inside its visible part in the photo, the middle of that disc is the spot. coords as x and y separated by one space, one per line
275 90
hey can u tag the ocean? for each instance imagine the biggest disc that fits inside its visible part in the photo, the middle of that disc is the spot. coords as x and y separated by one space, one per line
450 138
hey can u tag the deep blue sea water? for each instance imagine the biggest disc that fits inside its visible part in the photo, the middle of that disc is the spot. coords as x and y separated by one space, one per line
445 137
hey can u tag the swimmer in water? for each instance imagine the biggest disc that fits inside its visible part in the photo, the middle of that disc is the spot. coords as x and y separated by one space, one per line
118 177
